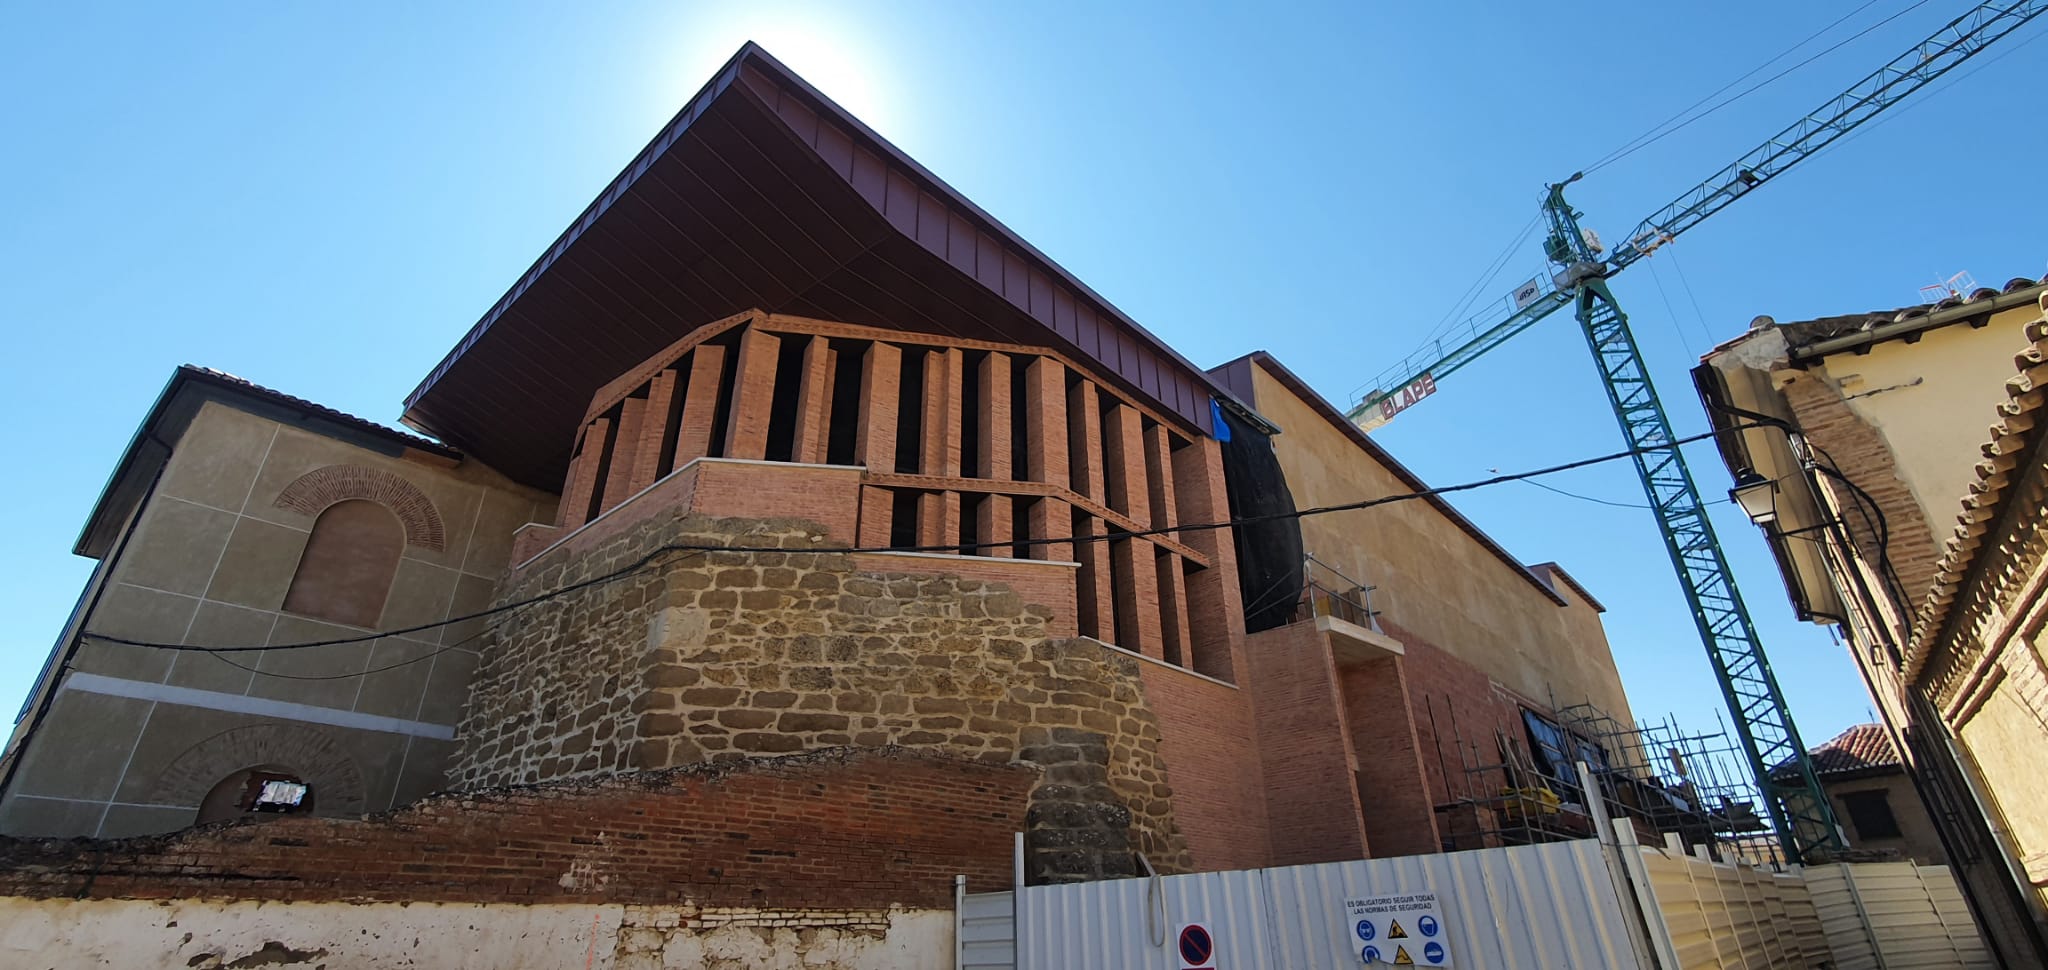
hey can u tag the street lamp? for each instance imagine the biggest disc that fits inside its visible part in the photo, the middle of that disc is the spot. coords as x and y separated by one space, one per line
1757 495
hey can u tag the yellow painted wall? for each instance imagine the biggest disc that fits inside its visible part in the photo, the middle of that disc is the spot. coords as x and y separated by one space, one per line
1933 400
1433 577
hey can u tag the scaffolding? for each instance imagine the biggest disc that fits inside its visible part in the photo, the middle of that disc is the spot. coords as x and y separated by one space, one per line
1674 786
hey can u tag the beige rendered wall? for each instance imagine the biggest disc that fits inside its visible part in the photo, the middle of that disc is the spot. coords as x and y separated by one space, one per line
1435 579
210 934
1916 839
209 563
1933 400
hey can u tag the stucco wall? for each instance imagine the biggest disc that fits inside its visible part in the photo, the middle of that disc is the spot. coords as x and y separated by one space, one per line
1932 400
196 933
131 746
1435 579
1917 839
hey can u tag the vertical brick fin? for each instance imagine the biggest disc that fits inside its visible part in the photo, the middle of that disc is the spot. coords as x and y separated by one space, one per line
1051 518
938 518
994 412
1084 440
993 524
881 374
1159 474
746 432
1394 791
1137 610
1173 608
700 404
1215 605
1097 599
877 516
1123 464
654 432
1306 760
583 474
1045 397
814 402
625 453
942 416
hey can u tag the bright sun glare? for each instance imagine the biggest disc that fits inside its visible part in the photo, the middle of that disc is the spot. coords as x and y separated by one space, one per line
836 57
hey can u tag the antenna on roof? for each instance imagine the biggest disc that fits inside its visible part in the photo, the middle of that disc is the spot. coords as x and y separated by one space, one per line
1954 288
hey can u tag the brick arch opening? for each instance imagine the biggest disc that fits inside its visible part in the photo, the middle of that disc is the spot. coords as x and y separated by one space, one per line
307 752
316 490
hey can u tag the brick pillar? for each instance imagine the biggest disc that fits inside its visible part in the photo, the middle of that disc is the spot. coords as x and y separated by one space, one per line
746 429
881 380
1137 610
1045 420
625 446
994 412
942 424
1173 608
654 431
814 402
877 515
1051 518
938 519
700 403
1084 440
1215 605
1123 464
1159 474
1096 598
583 474
993 524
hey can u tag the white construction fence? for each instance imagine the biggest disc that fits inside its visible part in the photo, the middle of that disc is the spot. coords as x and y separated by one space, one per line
1585 904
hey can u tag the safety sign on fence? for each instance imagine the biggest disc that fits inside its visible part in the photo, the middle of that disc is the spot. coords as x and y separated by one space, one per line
1404 930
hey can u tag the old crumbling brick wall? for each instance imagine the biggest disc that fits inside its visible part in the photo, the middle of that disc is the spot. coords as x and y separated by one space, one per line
720 656
834 830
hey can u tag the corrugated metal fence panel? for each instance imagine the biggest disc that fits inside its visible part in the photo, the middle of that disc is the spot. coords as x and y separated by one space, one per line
1105 924
987 925
1534 907
1723 917
1955 914
1841 918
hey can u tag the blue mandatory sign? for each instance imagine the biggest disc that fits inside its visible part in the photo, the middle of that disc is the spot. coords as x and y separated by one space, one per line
1365 930
1370 954
1427 925
1433 951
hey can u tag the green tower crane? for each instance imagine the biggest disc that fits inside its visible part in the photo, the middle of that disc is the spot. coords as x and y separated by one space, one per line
1804 823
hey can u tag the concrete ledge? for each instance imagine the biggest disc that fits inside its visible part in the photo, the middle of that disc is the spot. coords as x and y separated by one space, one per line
1349 641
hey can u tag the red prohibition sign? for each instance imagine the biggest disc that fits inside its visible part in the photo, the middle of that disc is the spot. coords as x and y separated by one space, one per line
1196 946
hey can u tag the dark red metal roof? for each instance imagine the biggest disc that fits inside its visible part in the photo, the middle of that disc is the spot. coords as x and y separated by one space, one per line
763 194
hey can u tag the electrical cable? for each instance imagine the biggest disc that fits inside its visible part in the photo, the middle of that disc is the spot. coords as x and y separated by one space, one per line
1669 310
650 557
1601 501
1781 55
1746 92
1487 275
1697 313
445 648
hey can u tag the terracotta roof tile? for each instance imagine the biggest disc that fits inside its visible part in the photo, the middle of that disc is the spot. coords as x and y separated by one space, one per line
1804 333
1859 748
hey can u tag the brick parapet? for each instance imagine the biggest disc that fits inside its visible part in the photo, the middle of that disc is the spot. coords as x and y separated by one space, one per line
838 829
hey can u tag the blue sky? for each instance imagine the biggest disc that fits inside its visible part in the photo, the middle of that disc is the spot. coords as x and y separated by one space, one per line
324 199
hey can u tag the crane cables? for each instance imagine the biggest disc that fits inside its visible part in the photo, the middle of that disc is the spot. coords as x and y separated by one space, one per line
1665 128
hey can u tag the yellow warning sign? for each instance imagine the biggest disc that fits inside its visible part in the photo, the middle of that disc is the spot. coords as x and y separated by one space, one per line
1397 933
1401 958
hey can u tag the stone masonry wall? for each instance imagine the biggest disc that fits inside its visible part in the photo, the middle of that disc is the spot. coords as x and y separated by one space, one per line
722 656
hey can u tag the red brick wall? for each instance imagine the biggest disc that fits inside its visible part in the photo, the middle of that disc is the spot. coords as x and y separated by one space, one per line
832 830
1400 816
1457 695
1211 751
1311 802
1862 454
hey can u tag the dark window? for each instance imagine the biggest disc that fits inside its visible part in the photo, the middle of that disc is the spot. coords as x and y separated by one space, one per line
1556 752
1871 815
350 559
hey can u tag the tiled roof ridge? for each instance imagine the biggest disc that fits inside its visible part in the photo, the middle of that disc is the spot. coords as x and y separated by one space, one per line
1803 332
2012 436
1857 748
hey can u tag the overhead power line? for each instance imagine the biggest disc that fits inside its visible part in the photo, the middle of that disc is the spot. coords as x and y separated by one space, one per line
701 549
1654 136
